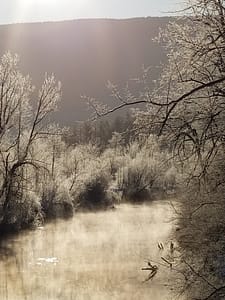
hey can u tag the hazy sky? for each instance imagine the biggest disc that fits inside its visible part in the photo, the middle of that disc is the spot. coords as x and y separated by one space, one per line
13 11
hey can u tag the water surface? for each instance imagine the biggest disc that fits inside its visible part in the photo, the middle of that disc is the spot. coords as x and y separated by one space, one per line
95 256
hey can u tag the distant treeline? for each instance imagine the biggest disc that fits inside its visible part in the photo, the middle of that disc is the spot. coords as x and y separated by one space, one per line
100 132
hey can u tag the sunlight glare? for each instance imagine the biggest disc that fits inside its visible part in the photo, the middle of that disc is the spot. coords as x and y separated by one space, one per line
51 8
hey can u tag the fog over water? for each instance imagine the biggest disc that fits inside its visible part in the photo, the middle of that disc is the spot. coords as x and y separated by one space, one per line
92 256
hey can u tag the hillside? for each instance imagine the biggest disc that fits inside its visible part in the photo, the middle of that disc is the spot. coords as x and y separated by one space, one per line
84 55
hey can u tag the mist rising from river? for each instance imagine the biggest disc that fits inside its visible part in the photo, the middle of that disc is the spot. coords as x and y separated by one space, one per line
95 256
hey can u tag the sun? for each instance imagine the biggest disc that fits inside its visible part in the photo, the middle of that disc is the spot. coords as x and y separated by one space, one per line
50 10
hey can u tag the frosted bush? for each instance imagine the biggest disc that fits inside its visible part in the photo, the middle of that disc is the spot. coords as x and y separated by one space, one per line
144 172
24 211
90 190
57 200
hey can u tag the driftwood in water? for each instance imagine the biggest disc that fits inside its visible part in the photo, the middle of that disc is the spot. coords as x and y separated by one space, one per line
168 262
160 246
153 271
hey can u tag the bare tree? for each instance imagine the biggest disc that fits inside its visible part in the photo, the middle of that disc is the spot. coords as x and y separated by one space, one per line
21 124
187 108
187 103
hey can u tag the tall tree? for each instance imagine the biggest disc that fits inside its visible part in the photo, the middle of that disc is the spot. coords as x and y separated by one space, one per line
187 107
21 125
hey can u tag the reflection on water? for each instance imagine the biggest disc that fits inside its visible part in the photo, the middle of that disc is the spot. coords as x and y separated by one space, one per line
92 256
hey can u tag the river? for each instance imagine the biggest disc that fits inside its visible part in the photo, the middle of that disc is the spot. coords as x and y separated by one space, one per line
96 256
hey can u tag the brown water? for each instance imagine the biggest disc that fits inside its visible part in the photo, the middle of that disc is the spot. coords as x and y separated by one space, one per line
92 256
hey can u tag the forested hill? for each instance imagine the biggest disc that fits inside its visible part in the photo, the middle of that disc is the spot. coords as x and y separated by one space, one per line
84 55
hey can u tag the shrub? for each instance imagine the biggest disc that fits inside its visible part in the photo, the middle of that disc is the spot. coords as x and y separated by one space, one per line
142 174
22 212
136 180
91 188
94 194
57 201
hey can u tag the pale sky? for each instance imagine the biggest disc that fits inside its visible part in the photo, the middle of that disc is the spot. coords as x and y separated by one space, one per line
16 11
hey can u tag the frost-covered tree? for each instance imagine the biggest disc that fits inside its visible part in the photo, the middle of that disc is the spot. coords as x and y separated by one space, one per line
23 121
188 101
187 107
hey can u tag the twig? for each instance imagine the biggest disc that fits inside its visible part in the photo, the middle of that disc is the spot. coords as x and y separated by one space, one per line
169 263
199 275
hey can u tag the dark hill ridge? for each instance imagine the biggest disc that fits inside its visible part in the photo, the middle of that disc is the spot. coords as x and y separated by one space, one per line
84 55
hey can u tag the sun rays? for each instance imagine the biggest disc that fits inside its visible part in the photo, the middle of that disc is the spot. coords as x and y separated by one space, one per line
45 10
